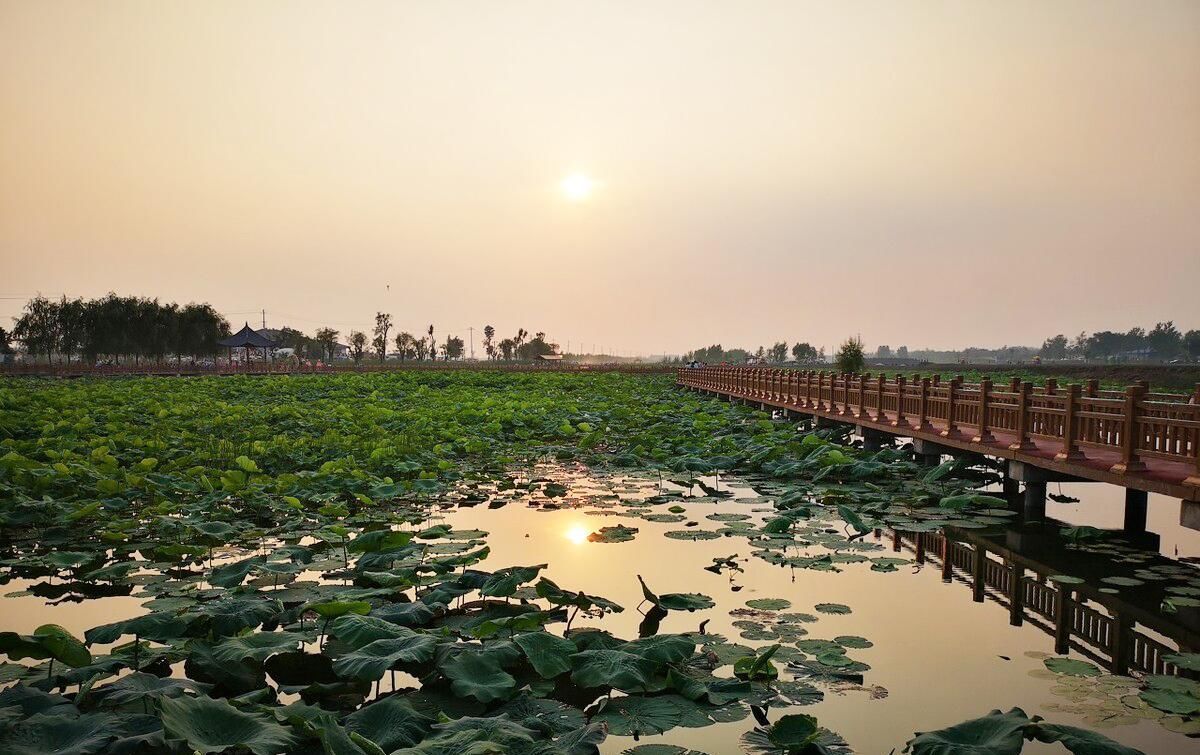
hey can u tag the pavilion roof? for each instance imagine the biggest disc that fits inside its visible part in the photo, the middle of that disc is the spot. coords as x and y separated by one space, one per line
247 336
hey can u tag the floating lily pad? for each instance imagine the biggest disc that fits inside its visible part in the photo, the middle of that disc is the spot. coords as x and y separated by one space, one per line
769 604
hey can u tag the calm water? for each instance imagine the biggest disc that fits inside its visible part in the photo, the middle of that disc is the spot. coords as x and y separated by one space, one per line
937 657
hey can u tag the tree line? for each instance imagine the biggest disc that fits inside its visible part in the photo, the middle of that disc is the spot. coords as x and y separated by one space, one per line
405 346
116 327
1163 342
777 353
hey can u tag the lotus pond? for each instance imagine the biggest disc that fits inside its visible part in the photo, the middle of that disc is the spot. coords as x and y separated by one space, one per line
540 563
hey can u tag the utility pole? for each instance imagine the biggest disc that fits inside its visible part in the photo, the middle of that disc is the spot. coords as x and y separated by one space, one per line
264 319
472 330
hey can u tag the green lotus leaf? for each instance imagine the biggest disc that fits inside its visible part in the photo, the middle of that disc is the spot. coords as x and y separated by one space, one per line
332 609
209 725
1171 701
769 604
1080 741
257 646
1071 667
794 732
640 716
139 686
662 648
64 734
504 583
548 654
994 734
612 668
358 631
832 608
391 723
371 661
617 534
61 645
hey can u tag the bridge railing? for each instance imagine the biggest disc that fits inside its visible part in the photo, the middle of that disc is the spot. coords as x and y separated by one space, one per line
1135 423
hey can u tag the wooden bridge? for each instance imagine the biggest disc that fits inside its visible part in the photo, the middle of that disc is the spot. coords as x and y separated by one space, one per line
1122 632
1140 439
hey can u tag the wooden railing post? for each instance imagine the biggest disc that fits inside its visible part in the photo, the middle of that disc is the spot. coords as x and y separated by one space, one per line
1070 448
808 389
820 386
1051 386
1194 479
899 421
846 380
951 406
1131 432
862 397
985 396
923 407
1024 391
880 381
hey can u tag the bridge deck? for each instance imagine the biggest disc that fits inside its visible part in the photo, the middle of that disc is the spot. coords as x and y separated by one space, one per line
1063 431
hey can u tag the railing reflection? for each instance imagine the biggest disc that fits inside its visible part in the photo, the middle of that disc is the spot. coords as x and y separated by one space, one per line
1013 569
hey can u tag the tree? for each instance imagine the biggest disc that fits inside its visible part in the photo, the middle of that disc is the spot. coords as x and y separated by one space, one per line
804 352
405 345
1191 343
327 338
453 348
779 352
5 342
420 348
883 352
432 344
506 348
1055 348
489 348
850 357
37 327
761 354
535 348
1166 340
383 323
358 345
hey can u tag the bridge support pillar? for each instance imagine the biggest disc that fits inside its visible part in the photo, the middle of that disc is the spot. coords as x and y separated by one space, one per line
1135 511
1035 501
1189 514
1012 486
873 440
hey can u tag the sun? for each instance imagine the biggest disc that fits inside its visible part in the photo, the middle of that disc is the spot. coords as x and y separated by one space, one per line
577 187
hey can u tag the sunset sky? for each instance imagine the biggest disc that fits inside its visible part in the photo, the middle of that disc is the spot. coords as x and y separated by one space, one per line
923 173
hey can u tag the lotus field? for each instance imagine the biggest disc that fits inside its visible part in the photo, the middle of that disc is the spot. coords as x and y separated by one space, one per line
526 563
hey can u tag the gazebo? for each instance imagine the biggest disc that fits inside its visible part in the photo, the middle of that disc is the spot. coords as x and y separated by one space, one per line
247 338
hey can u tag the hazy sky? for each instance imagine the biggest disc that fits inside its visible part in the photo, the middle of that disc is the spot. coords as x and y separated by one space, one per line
927 173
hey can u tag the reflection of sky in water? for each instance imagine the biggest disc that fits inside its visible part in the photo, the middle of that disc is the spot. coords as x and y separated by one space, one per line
941 657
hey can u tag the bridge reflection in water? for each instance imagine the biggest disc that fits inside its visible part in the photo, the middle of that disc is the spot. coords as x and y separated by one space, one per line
1012 568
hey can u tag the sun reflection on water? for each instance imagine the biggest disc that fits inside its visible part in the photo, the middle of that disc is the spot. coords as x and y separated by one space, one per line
577 533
